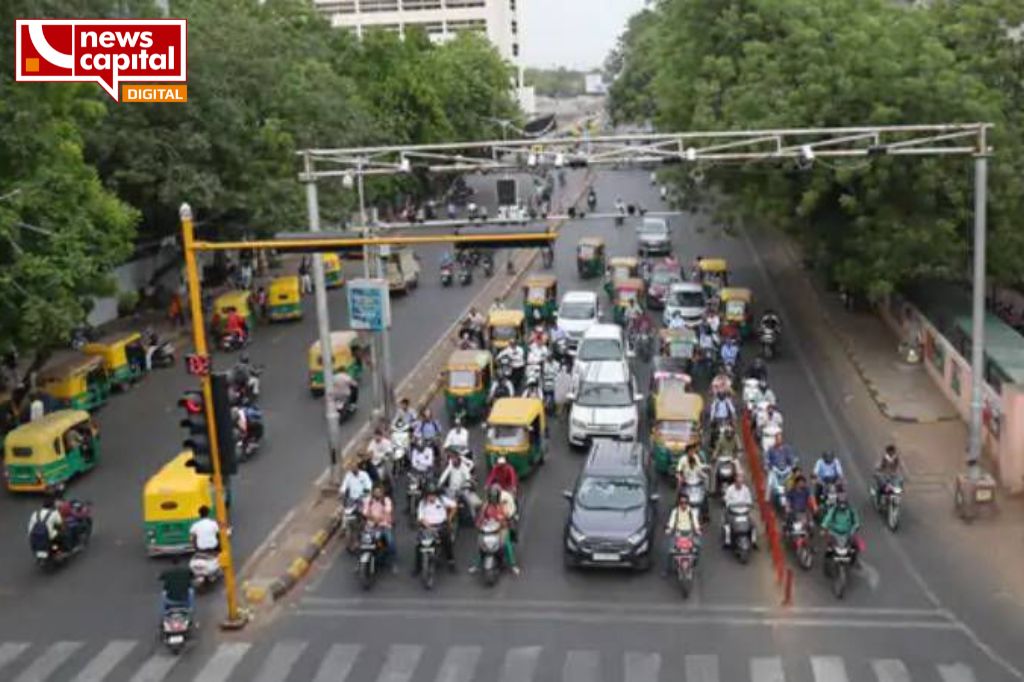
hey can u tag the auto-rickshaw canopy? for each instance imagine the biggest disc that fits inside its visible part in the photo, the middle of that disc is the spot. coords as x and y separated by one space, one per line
67 378
713 265
623 267
674 404
342 345
112 348
237 299
589 247
284 289
516 412
176 491
39 442
474 360
540 288
506 318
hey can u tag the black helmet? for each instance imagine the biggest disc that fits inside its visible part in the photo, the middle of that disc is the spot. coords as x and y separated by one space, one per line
430 489
828 455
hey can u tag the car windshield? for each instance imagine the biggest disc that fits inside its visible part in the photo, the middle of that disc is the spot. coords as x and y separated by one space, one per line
536 294
735 308
613 494
664 277
462 378
604 395
503 333
586 252
689 299
577 311
652 229
668 383
506 436
676 430
600 349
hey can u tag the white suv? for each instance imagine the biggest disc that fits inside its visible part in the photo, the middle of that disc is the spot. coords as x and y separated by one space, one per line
604 404
578 312
600 343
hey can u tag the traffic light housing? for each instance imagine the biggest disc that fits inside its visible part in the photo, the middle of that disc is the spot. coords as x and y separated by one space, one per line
198 428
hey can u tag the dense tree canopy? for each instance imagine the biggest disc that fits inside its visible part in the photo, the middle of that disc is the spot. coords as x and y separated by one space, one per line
560 82
712 65
80 174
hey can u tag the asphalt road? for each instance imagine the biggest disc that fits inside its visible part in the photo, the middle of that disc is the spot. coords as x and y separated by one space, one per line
908 616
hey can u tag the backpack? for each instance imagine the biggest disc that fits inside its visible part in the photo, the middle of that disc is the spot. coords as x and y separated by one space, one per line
39 535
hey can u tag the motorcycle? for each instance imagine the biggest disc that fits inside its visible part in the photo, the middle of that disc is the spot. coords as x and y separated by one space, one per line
176 628
352 525
206 570
642 344
890 500
592 200
547 256
739 531
465 276
839 557
751 394
446 275
798 533
684 558
413 493
51 554
725 472
158 354
427 545
827 494
491 554
401 437
372 548
248 444
768 337
487 263
230 342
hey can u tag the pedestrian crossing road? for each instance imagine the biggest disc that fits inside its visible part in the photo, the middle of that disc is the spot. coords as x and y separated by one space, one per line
295 660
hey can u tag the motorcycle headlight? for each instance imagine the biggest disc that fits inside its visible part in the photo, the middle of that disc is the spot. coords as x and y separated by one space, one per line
637 537
576 535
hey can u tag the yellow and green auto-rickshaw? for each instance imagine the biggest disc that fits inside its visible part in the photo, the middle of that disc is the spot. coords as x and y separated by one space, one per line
333 275
590 257
171 500
50 450
540 298
667 374
467 384
680 344
620 267
347 353
238 300
123 355
76 381
737 313
505 327
517 432
283 299
677 424
626 292
714 275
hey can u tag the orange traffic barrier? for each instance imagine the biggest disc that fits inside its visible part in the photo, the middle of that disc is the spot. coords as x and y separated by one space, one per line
771 527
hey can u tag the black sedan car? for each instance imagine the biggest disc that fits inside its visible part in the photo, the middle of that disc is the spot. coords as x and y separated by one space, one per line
611 522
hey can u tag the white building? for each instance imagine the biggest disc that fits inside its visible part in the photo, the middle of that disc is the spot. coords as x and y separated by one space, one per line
594 84
441 19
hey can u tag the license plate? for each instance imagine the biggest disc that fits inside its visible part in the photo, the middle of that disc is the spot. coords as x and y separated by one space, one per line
175 639
605 556
40 555
983 495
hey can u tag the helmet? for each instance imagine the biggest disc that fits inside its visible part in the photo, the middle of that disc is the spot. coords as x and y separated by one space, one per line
430 489
494 493
828 455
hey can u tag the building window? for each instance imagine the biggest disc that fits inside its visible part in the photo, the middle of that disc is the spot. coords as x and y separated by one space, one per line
341 7
515 27
515 49
378 5
468 25
512 5
452 4
416 5
390 28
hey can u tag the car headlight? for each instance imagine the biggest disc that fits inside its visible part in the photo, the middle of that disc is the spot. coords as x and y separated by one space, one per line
628 425
637 537
575 535
578 423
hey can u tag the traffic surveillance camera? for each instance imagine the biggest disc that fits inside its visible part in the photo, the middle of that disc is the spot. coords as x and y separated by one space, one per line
691 154
346 181
807 153
531 160
403 165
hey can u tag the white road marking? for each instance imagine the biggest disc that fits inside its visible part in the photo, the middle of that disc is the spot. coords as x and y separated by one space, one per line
640 666
768 669
828 669
459 664
10 651
957 672
520 664
223 662
582 666
401 663
701 668
279 661
105 661
871 574
156 668
338 663
46 664
890 670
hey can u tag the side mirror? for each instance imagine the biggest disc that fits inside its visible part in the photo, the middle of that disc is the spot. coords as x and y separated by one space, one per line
567 494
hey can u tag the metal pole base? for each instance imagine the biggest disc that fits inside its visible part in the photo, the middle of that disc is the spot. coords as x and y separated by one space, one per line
238 622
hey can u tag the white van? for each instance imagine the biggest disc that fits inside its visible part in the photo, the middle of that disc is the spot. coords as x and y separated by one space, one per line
688 299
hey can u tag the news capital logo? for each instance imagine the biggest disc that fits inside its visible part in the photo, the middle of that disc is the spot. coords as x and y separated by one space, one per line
108 52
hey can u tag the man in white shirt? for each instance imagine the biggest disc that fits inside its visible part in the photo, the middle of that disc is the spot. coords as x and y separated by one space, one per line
356 485
457 437
205 533
379 449
436 511
422 457
736 495
457 481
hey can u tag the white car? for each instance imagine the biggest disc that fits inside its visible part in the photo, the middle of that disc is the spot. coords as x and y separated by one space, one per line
578 312
688 299
604 404
600 343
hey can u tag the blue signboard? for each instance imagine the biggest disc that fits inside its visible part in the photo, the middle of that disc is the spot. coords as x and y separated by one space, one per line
369 304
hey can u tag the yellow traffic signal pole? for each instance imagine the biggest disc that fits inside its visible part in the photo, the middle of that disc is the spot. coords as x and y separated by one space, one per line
236 618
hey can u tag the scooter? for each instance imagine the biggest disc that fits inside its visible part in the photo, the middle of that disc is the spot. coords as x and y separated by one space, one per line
446 275
768 338
768 436
487 263
725 472
547 257
372 550
248 445
684 558
206 570
751 394
491 555
839 557
465 275
176 627
591 200
158 354
400 439
230 342
739 531
697 494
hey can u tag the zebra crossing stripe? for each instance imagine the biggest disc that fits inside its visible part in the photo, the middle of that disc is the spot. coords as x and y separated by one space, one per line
105 661
828 669
701 668
338 663
890 670
279 661
520 664
224 660
45 665
581 666
459 664
401 663
957 672
767 669
156 668
641 667
10 651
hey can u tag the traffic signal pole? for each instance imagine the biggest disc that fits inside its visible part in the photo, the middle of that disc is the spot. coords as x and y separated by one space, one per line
235 618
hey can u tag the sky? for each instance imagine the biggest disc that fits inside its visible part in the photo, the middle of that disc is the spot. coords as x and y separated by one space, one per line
572 33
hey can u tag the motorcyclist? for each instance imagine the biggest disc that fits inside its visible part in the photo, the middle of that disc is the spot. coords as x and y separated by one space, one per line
71 515
771 417
538 337
436 511
684 519
476 322
549 375
620 206
889 467
235 325
758 370
504 476
501 388
722 409
205 533
422 457
771 319
721 386
538 351
345 391
842 519
494 509
378 511
48 518
736 495
457 437
446 261
728 444
426 427
176 590
781 459
356 485
690 470
828 470
457 481
405 415
799 500
730 352
379 451
246 376
532 388
676 320
767 394
712 319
